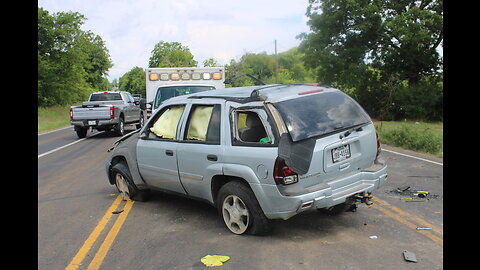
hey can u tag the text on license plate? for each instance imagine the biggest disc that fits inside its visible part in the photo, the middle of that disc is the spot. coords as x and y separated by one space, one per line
92 123
341 153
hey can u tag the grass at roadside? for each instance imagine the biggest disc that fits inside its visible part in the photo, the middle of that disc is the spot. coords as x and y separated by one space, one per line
53 117
416 136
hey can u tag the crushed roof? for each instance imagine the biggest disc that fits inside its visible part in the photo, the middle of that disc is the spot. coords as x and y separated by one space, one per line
272 93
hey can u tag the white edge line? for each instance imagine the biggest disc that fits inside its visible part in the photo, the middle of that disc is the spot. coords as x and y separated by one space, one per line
438 163
61 147
47 132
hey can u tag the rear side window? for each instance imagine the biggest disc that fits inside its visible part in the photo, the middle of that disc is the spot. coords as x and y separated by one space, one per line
320 114
204 124
105 97
249 128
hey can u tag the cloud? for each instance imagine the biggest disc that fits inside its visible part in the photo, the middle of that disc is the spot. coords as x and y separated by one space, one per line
223 30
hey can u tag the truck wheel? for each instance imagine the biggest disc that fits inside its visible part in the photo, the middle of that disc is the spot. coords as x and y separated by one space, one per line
125 185
141 122
240 210
120 128
81 132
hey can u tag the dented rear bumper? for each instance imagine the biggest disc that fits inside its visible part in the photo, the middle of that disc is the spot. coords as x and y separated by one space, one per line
278 206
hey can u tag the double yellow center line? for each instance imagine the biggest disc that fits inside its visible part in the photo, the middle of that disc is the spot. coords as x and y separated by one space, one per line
107 243
393 212
408 220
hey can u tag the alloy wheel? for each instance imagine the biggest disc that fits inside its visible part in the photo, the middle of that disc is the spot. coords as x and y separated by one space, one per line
235 214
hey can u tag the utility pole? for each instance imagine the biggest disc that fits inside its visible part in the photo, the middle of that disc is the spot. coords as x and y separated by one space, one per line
276 63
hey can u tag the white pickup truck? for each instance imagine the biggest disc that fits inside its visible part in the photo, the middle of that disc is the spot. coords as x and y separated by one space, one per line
106 110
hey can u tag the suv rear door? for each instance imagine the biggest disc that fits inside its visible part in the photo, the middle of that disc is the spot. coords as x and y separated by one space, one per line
199 151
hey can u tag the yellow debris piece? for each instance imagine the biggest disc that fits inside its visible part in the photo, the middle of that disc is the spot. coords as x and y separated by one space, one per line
214 260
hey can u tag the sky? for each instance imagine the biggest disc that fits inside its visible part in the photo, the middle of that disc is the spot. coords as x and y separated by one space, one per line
223 30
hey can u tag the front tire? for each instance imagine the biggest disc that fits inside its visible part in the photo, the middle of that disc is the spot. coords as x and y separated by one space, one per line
125 185
241 211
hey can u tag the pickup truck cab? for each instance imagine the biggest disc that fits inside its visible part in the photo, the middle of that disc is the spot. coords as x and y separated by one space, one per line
255 153
106 110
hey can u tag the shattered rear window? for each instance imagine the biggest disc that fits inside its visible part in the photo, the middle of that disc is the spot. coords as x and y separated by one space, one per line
320 114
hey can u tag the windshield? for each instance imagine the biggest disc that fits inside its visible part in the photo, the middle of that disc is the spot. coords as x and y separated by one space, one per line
320 114
164 93
105 97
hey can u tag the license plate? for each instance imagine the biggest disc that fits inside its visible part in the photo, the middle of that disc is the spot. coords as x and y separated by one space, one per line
341 153
92 123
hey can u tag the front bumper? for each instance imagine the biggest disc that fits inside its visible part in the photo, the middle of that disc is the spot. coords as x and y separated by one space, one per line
277 206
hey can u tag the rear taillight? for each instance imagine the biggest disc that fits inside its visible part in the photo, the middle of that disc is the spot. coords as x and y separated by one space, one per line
149 113
112 112
283 174
71 114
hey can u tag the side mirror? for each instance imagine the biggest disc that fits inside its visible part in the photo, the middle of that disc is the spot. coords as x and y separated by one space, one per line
143 103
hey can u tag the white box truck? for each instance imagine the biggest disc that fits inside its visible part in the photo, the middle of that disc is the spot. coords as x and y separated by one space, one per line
165 83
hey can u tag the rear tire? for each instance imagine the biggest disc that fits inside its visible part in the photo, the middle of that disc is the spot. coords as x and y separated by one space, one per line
241 211
141 121
120 128
81 132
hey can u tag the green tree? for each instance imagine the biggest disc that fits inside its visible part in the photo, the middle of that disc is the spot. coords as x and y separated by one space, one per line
171 54
382 52
114 84
398 36
210 62
291 62
134 81
72 63
261 65
96 62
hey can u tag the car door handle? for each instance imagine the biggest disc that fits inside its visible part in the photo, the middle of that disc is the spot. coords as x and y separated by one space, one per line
169 152
212 157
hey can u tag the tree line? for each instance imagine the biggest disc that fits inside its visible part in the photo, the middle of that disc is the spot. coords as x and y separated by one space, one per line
383 53
72 63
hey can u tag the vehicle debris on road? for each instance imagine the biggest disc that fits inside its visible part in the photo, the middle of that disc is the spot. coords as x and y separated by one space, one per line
214 260
409 256
409 194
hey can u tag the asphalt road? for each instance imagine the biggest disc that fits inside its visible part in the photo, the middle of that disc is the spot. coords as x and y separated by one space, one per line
77 230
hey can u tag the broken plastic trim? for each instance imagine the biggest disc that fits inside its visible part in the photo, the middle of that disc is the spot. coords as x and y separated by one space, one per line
230 80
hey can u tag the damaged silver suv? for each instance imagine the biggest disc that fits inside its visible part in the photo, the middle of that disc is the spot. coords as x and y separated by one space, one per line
256 153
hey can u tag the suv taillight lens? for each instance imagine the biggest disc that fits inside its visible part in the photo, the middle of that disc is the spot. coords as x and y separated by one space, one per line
71 114
112 112
283 174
